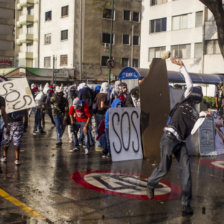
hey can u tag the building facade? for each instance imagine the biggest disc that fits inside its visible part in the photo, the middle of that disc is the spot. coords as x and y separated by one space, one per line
76 35
184 27
27 33
7 22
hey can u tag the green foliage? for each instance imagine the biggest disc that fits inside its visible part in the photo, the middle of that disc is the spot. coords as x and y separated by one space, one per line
209 101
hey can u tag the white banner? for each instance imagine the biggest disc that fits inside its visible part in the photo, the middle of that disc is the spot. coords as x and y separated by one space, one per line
219 132
17 95
124 134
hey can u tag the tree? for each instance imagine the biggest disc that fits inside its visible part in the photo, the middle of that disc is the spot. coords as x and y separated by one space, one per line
216 7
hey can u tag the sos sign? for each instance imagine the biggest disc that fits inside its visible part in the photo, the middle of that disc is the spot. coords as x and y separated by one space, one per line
124 134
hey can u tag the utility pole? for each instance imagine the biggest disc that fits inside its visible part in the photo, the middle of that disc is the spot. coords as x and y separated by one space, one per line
111 38
132 39
53 78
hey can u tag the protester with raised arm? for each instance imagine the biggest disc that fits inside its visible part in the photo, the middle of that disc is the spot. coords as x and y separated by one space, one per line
184 120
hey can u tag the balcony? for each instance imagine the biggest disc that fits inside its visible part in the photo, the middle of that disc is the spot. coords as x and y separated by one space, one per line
24 20
25 37
27 55
24 3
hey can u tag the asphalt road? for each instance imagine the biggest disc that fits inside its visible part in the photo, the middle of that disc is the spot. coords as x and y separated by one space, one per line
53 185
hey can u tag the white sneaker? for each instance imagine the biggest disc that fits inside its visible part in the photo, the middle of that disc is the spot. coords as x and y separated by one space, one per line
86 151
17 162
4 159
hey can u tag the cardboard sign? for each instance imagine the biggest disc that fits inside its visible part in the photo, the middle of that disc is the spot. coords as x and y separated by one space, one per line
17 95
124 133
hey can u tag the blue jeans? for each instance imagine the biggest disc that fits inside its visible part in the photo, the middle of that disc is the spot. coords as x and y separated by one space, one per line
103 143
37 120
58 120
78 125
168 145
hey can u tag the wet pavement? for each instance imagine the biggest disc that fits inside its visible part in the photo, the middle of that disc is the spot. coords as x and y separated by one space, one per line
53 185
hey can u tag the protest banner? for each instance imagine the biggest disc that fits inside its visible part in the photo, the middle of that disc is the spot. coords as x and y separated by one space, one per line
17 95
219 132
124 134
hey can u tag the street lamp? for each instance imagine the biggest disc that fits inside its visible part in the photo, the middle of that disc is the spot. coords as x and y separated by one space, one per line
111 36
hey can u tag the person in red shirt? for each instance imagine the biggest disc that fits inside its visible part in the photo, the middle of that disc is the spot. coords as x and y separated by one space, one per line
80 116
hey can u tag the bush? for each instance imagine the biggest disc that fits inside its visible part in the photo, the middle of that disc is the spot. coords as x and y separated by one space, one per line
209 101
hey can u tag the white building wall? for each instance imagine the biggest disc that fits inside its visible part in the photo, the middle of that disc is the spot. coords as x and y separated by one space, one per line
191 35
55 26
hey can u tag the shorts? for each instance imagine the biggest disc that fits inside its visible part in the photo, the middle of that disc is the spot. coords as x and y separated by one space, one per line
13 134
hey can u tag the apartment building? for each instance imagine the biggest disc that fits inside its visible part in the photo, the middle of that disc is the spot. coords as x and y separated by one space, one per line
27 33
76 35
184 27
7 15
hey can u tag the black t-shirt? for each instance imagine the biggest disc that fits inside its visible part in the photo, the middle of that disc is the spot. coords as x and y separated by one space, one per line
16 116
2 102
183 119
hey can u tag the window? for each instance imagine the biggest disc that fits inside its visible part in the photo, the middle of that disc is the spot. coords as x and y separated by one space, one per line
126 39
180 22
135 16
64 11
47 38
48 16
30 10
107 13
29 29
104 60
158 2
106 38
135 40
212 47
47 62
125 62
182 51
158 25
127 15
135 63
63 60
198 50
29 47
64 34
156 52
198 19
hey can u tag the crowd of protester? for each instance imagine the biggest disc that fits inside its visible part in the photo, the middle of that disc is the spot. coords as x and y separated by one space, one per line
82 109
